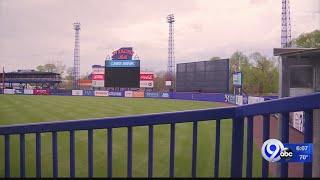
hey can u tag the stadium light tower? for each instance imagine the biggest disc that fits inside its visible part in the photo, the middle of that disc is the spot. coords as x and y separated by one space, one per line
285 24
76 57
171 62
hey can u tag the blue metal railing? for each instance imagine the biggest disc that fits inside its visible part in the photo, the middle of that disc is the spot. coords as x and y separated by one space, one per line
237 114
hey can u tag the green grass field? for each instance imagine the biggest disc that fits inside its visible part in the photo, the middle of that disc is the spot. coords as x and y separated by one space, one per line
15 109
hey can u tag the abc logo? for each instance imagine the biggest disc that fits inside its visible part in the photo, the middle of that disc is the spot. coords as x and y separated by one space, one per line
286 153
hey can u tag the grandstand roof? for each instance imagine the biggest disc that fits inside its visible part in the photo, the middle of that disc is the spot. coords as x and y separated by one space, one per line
31 76
32 72
295 51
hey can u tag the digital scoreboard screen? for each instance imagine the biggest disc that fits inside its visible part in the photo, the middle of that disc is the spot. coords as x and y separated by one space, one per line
203 76
122 73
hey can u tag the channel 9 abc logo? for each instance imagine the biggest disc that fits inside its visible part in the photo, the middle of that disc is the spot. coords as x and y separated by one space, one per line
273 150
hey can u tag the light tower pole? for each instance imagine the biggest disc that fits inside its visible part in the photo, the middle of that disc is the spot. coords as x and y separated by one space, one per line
285 24
285 43
171 62
76 57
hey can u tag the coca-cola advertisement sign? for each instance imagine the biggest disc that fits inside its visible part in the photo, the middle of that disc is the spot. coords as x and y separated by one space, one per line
146 77
97 76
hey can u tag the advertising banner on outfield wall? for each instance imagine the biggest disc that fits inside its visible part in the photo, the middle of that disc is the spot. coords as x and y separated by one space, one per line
245 99
156 95
18 91
128 94
139 94
115 94
230 98
101 93
28 91
77 92
253 100
239 100
165 95
152 94
88 92
8 91
41 92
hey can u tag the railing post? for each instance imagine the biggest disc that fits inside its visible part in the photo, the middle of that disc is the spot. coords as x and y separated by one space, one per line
308 135
194 149
38 155
22 156
54 154
172 149
266 135
72 154
284 123
150 153
129 156
237 147
90 153
217 150
109 163
249 146
7 156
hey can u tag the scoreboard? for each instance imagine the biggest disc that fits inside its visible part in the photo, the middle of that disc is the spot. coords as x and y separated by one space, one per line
203 76
122 73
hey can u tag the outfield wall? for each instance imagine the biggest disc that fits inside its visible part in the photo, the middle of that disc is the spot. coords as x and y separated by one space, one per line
212 97
215 97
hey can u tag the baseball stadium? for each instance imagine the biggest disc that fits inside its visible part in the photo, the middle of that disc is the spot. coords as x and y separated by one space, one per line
201 118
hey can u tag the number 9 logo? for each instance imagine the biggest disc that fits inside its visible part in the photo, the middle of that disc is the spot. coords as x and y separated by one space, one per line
271 150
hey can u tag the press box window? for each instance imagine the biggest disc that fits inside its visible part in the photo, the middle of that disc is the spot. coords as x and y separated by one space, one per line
301 77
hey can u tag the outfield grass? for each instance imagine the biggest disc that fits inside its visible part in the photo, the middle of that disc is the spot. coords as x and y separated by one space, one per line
16 109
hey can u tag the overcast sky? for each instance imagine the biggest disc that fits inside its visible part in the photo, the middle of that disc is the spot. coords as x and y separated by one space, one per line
34 32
